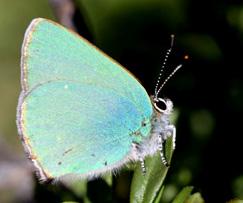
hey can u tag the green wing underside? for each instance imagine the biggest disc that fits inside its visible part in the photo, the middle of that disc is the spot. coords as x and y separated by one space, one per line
51 52
79 107
77 128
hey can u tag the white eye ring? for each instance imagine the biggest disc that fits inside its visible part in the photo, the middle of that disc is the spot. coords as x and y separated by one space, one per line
159 109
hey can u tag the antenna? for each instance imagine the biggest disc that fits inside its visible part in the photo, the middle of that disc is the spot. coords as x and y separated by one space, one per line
166 80
156 91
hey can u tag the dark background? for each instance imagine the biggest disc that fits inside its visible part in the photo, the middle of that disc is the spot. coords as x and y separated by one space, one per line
207 92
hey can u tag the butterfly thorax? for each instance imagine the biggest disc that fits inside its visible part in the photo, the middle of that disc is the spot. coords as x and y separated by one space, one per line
161 129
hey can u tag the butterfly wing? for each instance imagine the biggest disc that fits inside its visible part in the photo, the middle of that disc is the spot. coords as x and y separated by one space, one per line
51 52
73 128
78 108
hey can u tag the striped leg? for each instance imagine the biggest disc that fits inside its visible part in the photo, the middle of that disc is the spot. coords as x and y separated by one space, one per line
171 131
160 145
139 157
174 136
142 166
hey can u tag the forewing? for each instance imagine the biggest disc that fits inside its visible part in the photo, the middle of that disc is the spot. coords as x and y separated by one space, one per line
51 52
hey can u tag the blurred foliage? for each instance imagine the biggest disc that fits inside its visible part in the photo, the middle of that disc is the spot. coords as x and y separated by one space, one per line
208 91
12 26
183 195
195 198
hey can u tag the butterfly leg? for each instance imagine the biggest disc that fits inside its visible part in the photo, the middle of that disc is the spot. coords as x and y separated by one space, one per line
160 146
139 157
171 131
142 166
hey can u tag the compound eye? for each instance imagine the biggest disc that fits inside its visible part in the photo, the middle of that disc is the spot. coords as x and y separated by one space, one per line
160 105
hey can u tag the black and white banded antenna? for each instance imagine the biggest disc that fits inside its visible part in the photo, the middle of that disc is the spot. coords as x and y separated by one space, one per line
157 88
163 65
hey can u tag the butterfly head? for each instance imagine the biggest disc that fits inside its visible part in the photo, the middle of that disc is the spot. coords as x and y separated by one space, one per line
164 106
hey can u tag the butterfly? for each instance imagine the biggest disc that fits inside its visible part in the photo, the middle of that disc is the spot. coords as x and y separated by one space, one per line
80 113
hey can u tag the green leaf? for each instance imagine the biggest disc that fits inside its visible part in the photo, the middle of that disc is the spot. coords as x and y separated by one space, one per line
79 188
145 188
158 198
183 195
195 198
108 179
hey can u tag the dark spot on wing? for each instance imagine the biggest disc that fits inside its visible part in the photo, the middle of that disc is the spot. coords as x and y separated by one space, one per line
143 124
59 163
93 155
105 163
67 151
